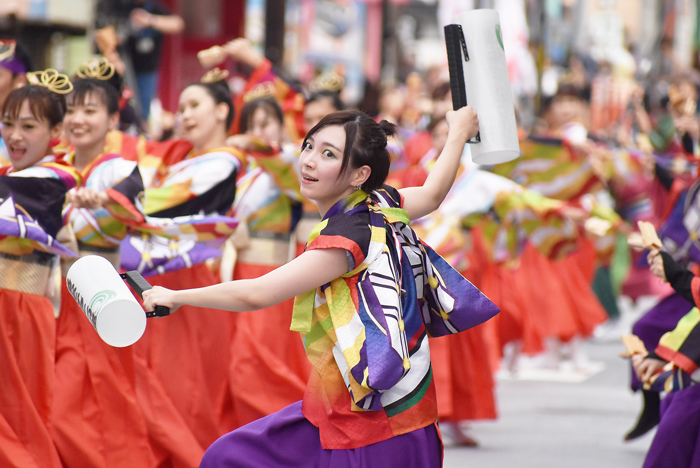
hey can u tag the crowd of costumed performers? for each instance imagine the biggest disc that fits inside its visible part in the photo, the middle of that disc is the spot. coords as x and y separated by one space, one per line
666 362
356 231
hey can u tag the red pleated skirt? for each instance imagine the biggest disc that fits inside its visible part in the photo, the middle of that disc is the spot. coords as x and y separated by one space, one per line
576 272
507 287
27 354
269 368
558 294
463 364
545 296
188 352
463 376
97 420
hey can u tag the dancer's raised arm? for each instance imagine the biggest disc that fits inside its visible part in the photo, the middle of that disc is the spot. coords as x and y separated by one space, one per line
419 201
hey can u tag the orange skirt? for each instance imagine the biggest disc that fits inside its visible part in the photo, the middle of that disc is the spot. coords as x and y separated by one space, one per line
97 420
172 441
576 272
188 352
463 376
27 354
515 322
269 368
541 285
498 283
558 294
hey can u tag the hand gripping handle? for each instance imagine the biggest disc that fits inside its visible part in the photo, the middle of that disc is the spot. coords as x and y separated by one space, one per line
137 283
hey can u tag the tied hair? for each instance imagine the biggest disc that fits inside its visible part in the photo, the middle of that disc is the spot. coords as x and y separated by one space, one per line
389 129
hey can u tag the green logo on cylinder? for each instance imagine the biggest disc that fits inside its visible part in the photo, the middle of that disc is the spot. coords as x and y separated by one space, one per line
499 36
100 299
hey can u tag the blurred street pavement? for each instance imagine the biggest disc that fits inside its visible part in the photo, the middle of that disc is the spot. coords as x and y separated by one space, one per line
554 424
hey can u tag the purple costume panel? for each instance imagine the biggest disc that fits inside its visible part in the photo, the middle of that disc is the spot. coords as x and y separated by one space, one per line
287 439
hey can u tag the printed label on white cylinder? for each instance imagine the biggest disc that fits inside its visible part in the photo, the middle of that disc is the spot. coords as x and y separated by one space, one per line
106 301
488 87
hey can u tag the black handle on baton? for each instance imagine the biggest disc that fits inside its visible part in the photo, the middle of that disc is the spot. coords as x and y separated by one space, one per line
456 46
139 284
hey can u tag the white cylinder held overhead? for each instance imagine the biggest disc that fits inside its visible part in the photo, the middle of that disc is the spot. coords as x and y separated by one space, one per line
106 300
488 88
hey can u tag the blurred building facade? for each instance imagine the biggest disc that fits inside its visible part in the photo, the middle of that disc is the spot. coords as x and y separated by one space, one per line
369 41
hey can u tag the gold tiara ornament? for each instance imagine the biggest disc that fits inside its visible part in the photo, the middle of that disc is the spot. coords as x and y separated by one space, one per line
212 76
7 50
261 90
327 82
99 69
51 79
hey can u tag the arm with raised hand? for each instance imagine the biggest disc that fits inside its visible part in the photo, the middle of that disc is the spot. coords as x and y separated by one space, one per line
420 201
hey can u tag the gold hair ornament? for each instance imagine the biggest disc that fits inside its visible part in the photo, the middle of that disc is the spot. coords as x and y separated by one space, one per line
264 89
7 49
681 99
327 82
51 79
214 75
99 69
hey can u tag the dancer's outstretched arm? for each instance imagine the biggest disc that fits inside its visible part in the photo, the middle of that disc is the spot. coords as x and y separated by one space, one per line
306 272
420 201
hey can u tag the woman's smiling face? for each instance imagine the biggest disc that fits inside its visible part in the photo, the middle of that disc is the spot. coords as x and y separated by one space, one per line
87 123
27 138
320 163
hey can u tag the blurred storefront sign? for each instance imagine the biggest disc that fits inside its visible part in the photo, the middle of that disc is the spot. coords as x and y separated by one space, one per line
332 35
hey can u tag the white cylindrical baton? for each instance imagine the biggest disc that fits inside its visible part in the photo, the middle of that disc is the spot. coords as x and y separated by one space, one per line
475 51
106 300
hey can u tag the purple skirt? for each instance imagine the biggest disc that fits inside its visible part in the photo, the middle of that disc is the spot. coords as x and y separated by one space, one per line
677 440
287 439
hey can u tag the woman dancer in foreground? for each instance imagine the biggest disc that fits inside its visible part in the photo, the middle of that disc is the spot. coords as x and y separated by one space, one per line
32 192
368 293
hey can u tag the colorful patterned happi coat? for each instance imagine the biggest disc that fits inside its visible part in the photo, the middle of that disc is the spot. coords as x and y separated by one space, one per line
185 201
551 168
30 217
98 227
366 333
680 233
509 215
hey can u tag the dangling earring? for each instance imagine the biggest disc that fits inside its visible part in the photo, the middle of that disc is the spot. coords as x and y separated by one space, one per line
358 187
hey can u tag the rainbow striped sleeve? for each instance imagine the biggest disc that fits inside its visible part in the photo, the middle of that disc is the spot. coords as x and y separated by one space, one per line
203 184
551 168
681 346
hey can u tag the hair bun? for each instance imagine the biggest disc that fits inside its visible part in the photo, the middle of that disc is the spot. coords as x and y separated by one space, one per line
388 128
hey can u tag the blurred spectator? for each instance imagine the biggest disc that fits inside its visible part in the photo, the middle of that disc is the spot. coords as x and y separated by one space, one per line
149 20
